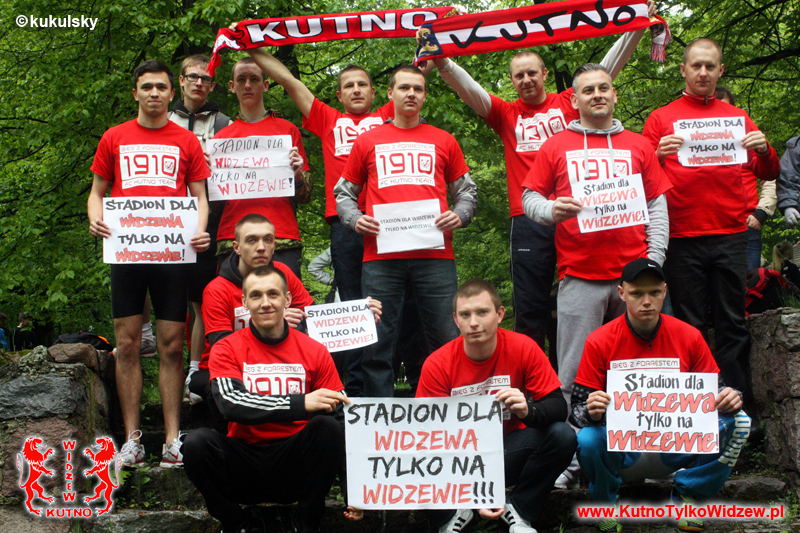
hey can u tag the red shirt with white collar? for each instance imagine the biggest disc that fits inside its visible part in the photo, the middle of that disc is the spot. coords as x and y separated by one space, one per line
705 200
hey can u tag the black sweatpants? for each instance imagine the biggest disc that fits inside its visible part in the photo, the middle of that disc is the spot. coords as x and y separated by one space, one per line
301 468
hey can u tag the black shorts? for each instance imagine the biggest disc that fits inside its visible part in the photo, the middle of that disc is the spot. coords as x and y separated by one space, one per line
166 284
199 275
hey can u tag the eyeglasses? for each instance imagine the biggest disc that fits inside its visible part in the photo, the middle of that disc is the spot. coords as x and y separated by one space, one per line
207 80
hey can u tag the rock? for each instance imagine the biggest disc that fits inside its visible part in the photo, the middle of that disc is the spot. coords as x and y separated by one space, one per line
36 361
43 396
52 431
76 353
18 520
170 487
783 436
139 521
775 355
756 489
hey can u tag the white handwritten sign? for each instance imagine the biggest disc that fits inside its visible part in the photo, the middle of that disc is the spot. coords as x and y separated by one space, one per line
408 226
424 453
711 141
250 167
150 230
666 412
342 326
612 202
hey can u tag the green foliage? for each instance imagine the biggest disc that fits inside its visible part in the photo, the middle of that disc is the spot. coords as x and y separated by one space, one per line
63 87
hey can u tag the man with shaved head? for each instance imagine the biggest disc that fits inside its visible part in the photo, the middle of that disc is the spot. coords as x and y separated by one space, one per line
706 258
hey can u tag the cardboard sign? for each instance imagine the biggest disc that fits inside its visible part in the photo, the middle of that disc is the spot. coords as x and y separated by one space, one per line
425 453
711 141
408 226
150 230
342 326
665 412
613 202
250 167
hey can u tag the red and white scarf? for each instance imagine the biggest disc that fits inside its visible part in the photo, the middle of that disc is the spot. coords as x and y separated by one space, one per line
535 25
317 28
446 35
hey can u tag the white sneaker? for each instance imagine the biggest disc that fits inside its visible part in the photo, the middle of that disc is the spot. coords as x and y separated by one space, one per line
132 453
171 456
148 346
516 524
566 482
458 522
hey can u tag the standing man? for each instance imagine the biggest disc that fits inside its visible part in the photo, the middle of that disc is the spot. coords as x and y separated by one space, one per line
203 118
377 164
648 340
707 260
789 183
273 385
249 85
223 312
151 131
596 147
523 126
538 443
338 131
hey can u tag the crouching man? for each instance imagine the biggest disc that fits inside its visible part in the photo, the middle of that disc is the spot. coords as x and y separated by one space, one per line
643 334
274 386
537 441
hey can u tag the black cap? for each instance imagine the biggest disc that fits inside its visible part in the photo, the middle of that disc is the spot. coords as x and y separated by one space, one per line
637 266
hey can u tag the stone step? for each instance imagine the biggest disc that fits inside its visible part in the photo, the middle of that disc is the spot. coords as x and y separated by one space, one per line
163 489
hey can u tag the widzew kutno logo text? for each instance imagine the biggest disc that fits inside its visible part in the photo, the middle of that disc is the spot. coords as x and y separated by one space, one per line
36 454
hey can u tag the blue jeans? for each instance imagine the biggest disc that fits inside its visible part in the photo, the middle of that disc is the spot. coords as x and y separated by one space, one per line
703 478
433 283
533 263
533 460
347 256
753 248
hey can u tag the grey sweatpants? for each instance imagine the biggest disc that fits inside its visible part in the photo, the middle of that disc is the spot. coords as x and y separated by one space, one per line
583 306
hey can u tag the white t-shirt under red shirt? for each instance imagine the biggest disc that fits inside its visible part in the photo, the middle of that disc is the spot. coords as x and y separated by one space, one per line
139 161
403 165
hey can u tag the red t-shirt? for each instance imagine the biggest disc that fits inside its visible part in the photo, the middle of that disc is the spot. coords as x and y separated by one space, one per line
223 309
516 363
338 132
707 200
523 128
425 158
677 347
296 365
139 161
278 210
599 255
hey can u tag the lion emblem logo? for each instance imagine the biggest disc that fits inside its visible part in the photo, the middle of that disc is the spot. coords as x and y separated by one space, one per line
105 455
36 469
